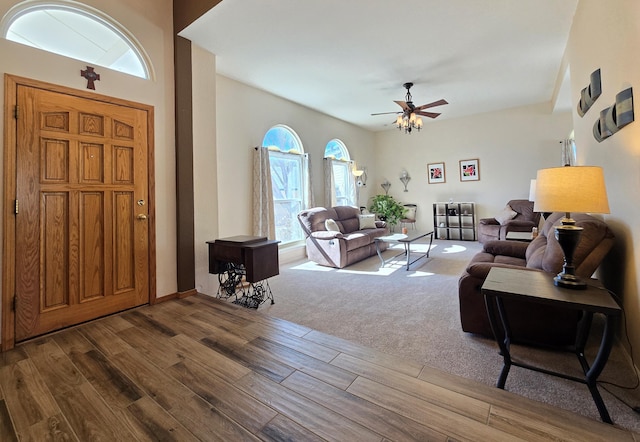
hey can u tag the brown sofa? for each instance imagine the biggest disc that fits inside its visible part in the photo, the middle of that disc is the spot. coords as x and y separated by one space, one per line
533 323
339 249
524 220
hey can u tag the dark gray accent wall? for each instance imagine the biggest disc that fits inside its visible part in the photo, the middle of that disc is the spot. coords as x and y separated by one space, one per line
184 13
184 166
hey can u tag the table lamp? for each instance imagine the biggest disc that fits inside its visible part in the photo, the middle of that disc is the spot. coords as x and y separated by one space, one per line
570 189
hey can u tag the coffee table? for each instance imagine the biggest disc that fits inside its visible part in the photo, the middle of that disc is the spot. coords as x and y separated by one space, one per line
407 239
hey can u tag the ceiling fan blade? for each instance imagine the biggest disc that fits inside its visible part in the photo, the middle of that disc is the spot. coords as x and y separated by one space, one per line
402 104
434 104
387 113
427 114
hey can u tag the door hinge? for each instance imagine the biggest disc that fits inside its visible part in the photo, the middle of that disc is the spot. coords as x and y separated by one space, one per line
16 112
15 207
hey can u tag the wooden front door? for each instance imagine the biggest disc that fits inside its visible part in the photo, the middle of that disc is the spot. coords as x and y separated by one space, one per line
82 211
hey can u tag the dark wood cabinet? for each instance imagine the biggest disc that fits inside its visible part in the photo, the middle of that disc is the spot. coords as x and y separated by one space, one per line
243 265
257 254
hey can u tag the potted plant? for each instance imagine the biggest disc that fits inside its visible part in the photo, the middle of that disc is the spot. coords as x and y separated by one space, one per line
387 209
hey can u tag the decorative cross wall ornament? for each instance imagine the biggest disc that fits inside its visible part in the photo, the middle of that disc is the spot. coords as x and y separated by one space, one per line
91 77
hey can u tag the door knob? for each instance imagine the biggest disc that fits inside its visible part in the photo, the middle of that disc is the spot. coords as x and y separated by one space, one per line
142 216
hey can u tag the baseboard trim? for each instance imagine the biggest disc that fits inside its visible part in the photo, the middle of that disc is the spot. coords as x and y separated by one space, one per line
176 295
165 298
186 294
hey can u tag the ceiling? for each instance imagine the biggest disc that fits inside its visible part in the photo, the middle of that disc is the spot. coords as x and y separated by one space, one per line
350 58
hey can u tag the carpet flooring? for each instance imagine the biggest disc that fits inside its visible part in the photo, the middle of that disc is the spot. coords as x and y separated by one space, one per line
414 315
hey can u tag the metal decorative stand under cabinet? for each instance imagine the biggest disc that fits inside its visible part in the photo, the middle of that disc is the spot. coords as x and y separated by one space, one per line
455 221
243 264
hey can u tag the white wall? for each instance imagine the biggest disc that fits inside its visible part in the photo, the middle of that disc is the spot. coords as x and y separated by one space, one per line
205 164
607 37
243 115
511 146
151 22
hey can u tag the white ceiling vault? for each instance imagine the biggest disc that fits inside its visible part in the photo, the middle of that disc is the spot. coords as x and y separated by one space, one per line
350 58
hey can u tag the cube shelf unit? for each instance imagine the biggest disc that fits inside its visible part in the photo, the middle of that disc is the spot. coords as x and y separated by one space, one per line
455 221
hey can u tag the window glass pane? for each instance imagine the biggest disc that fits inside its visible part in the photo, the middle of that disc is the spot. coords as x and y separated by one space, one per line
285 176
287 180
281 138
76 34
287 227
339 153
337 150
341 182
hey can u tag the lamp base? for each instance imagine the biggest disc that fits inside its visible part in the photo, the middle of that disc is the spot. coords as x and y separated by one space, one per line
569 282
568 236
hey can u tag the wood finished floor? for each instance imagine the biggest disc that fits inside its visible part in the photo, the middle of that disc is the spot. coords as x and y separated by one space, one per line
202 369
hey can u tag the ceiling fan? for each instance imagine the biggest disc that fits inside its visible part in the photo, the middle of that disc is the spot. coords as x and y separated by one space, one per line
410 113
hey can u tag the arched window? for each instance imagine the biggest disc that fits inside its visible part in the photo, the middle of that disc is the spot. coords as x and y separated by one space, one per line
336 149
339 182
289 180
78 31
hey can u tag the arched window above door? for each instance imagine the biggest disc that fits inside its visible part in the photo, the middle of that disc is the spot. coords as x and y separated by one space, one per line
78 31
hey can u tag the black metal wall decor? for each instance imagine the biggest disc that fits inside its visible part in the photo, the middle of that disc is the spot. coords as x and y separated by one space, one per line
91 77
615 117
590 94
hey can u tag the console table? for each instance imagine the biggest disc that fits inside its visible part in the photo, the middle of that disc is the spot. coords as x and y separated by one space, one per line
243 265
504 283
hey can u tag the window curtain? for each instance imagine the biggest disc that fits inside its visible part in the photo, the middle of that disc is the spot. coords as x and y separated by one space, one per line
353 187
329 184
309 200
568 152
263 212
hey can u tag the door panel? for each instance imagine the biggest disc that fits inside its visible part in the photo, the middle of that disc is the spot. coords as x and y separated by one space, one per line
82 238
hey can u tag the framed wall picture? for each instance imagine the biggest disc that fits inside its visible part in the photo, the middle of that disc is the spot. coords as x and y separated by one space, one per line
470 170
435 172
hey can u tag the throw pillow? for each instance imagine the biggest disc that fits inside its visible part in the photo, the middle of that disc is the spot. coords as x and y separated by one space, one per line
331 225
506 214
410 213
367 221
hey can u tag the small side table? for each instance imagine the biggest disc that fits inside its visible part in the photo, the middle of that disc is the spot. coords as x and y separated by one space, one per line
504 283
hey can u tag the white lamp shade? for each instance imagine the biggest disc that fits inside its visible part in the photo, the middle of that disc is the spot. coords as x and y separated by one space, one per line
569 189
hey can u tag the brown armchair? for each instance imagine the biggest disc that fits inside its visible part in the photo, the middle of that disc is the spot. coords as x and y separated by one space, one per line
523 221
533 323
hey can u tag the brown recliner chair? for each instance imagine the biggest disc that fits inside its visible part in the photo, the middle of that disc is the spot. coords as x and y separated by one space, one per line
524 220
533 323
